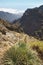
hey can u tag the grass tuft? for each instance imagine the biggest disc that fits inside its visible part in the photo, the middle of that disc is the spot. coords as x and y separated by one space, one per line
20 54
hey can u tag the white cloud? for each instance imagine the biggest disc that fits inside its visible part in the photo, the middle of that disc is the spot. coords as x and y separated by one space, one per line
14 11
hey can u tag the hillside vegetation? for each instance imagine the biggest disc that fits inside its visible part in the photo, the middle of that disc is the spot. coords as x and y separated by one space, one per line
21 54
12 38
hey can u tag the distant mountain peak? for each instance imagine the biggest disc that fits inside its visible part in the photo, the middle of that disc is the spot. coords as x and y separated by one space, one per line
10 14
41 6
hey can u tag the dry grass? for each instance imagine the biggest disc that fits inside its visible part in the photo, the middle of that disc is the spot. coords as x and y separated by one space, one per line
7 41
21 54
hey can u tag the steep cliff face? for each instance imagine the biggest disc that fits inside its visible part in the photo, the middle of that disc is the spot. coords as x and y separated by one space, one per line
32 22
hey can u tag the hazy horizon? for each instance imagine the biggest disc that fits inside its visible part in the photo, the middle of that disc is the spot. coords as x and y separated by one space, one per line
20 4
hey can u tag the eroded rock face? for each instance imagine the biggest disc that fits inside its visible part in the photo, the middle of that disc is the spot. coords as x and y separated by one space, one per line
32 22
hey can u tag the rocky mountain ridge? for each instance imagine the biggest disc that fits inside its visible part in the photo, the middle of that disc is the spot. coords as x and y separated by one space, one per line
32 22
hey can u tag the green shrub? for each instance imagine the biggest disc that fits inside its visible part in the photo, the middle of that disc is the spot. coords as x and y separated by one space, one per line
20 54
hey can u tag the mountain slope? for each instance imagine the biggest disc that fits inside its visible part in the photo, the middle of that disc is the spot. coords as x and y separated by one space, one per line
9 16
9 38
32 22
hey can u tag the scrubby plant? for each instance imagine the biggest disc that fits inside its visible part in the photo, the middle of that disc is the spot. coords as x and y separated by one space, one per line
20 54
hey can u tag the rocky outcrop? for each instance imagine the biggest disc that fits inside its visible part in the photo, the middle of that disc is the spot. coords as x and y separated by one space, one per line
32 22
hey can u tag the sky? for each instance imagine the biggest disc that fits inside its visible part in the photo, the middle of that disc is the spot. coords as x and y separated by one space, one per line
20 4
